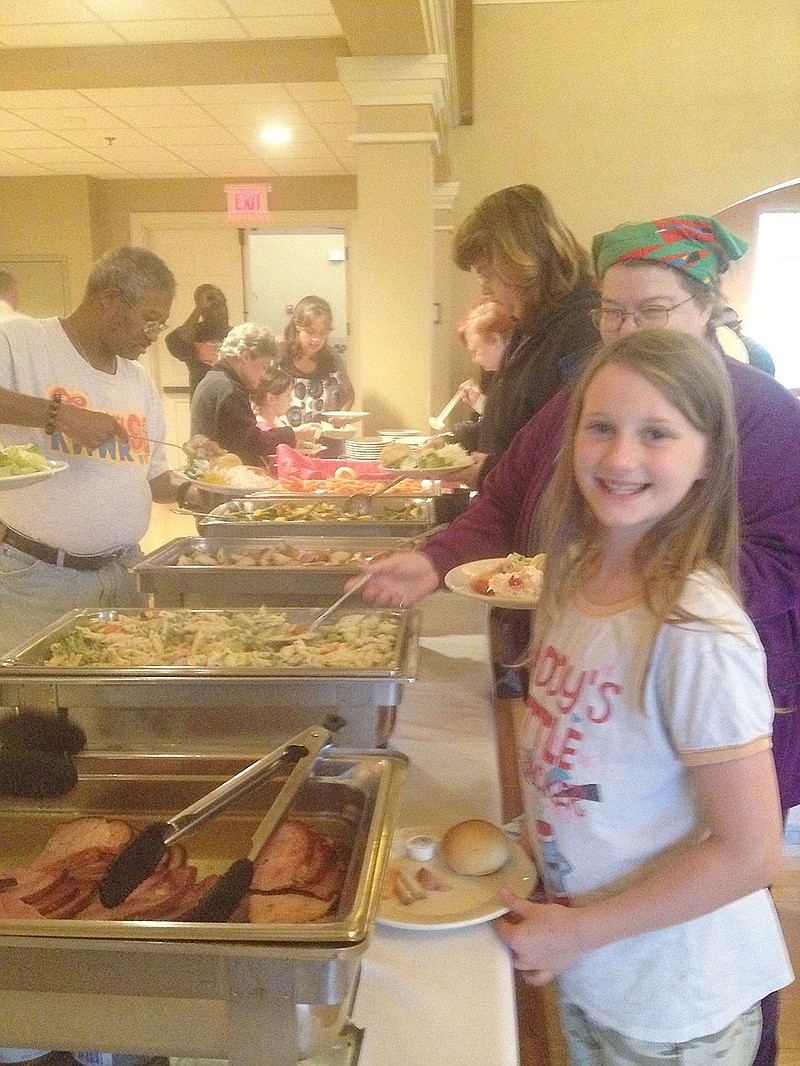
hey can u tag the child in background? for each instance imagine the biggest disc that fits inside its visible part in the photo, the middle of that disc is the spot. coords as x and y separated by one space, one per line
483 330
320 379
650 791
271 401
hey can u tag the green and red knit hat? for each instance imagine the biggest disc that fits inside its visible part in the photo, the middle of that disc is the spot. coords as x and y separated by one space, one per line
700 246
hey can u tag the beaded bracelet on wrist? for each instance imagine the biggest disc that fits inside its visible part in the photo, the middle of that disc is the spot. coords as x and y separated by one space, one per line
53 407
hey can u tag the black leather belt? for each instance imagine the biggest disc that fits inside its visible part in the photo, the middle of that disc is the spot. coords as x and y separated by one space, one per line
54 556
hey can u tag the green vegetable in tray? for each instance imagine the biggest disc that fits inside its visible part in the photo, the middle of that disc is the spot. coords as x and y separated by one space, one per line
19 459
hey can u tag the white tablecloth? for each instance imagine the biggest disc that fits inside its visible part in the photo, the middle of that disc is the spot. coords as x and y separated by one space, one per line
446 996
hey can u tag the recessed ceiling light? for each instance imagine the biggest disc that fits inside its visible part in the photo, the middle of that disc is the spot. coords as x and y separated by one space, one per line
276 134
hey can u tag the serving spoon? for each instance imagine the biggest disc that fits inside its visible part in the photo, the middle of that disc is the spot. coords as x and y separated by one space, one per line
406 542
438 422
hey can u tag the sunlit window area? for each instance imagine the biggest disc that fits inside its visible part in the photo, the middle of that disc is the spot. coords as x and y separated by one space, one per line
776 292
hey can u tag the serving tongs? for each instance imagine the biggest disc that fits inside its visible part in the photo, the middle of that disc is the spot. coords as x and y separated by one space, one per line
358 502
141 855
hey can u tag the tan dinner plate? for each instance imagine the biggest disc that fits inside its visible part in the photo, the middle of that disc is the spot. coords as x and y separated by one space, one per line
468 900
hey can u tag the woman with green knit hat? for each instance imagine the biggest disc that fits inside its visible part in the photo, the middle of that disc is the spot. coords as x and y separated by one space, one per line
663 273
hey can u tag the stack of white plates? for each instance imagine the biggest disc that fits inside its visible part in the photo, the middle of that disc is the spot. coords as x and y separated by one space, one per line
363 447
412 437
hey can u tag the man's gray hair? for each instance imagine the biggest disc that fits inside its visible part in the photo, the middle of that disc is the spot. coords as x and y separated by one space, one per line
258 340
133 271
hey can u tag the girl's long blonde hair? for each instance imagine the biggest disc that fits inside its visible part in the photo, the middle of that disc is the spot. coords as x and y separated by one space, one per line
702 531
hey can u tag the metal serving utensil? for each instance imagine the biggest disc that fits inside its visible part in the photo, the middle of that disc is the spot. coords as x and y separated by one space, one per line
141 855
363 498
438 422
409 542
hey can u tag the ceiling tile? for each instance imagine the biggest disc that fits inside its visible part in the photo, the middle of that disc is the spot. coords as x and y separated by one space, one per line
124 10
152 117
277 8
13 140
174 168
66 155
237 94
316 90
291 167
73 34
122 137
335 132
159 96
317 26
13 167
330 111
182 135
256 115
66 118
180 30
237 155
41 98
22 12
10 121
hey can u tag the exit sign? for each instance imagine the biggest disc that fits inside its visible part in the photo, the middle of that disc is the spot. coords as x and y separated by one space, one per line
247 204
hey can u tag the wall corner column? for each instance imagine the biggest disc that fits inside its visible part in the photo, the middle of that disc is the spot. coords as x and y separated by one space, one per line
399 102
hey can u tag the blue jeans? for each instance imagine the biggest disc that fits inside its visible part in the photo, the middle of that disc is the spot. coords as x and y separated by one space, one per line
34 594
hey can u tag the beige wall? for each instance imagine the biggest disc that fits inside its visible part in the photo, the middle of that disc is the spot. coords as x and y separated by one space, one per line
618 109
627 109
48 217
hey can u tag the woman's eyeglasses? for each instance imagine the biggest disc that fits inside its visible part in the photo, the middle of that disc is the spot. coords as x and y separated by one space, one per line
610 319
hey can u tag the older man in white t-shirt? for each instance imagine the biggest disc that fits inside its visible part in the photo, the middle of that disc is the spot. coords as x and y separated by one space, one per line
73 387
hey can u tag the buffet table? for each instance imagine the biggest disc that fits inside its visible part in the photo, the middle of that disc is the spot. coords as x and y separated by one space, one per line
418 998
419 1001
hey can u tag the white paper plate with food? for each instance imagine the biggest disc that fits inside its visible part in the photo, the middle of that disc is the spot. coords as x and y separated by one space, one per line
24 464
513 581
229 481
424 460
427 893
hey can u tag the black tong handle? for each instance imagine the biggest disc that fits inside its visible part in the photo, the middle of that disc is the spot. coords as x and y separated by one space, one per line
134 863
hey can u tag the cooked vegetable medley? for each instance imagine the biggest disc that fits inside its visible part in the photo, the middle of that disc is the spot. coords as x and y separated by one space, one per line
226 640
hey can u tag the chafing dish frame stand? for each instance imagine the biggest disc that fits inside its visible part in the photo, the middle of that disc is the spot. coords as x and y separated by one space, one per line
260 997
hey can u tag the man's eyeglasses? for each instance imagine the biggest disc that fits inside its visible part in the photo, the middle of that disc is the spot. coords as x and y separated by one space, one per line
153 329
610 319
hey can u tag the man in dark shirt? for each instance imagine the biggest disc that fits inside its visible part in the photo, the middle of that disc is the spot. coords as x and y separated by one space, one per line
196 342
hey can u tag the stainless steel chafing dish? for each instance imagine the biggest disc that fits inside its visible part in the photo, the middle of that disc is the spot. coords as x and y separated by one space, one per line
171 583
163 708
387 517
251 993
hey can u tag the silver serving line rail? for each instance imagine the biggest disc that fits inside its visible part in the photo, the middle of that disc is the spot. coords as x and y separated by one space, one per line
162 708
168 582
258 995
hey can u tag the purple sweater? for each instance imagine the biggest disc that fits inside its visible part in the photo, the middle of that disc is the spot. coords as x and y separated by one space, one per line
768 417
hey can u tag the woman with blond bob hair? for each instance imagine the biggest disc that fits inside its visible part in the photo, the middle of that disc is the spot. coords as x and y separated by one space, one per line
530 265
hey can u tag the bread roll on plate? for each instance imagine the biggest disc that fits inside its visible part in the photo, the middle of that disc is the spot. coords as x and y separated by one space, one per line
474 847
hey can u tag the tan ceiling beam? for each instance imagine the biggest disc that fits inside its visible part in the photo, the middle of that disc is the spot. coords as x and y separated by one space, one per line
391 27
464 60
198 63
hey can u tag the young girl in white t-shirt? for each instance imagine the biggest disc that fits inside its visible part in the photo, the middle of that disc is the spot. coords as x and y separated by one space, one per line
650 795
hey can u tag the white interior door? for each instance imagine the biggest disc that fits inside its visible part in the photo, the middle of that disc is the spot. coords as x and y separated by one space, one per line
197 248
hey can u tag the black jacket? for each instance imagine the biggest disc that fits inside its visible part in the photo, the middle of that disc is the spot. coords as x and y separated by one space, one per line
533 369
221 411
